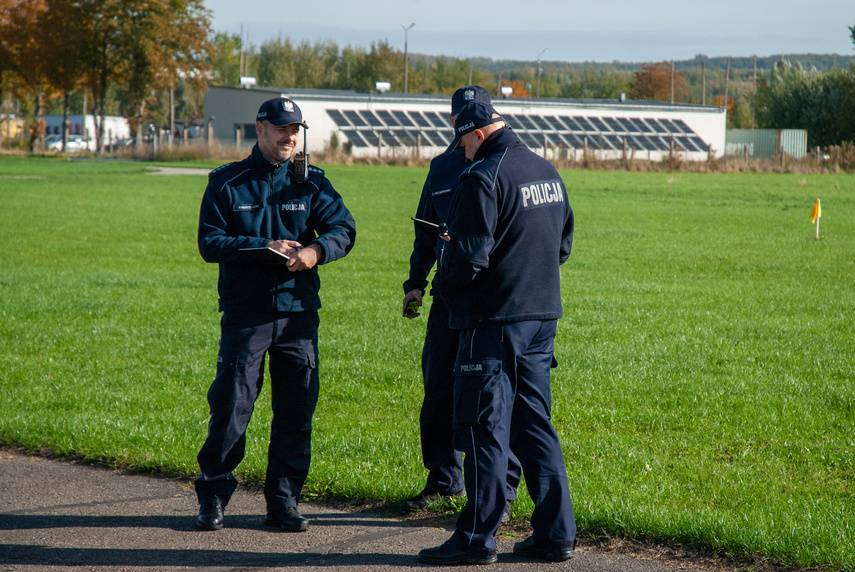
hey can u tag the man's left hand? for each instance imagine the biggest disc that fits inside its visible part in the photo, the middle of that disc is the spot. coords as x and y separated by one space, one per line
305 258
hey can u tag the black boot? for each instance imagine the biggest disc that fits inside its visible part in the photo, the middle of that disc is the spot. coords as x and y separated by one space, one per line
210 516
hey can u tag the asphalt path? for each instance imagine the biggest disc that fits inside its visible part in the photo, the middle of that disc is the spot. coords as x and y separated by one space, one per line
63 515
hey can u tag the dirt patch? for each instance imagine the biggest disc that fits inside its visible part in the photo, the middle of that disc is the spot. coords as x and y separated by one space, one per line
177 171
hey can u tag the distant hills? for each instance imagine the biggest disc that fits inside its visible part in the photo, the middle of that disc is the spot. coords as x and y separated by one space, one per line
820 62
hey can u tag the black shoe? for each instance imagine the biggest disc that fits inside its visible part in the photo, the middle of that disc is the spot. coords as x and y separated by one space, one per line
210 516
447 555
427 497
288 519
528 549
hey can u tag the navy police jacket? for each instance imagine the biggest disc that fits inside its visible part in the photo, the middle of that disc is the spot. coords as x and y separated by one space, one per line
251 202
511 227
434 205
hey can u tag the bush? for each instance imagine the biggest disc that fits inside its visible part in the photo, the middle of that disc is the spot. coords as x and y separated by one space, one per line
842 156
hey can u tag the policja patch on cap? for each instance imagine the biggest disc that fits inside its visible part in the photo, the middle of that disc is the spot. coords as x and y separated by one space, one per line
474 116
469 94
280 111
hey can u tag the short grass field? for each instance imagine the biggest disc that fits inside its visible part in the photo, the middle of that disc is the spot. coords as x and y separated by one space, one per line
704 395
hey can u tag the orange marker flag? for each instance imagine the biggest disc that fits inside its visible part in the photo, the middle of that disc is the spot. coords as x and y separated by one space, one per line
815 215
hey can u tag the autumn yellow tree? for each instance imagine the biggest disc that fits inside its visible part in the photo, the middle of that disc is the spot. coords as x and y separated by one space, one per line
139 47
142 47
653 83
23 56
518 87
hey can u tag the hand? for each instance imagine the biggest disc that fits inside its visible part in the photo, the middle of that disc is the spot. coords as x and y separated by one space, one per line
412 300
288 247
304 258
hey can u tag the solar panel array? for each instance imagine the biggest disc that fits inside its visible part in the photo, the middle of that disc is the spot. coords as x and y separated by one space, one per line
366 128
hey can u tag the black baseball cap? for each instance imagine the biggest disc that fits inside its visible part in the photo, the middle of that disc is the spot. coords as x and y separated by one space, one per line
280 111
473 116
466 95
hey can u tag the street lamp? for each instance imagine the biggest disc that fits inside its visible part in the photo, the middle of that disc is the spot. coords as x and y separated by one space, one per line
406 59
537 93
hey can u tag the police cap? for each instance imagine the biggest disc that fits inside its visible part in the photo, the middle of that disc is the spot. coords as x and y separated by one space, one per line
474 116
280 111
466 95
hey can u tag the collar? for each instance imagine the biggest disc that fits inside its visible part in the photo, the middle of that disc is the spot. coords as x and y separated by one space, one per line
261 164
495 140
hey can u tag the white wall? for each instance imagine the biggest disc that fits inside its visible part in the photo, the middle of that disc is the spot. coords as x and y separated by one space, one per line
115 128
234 106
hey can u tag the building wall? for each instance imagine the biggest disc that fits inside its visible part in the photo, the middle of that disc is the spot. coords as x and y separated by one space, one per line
12 128
115 128
233 110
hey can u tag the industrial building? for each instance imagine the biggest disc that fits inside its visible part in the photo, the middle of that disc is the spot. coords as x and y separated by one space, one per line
385 124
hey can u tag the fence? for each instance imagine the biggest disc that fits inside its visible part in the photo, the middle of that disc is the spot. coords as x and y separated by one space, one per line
766 143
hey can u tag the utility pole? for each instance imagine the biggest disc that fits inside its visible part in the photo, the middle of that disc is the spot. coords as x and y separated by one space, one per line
406 57
754 92
672 81
242 63
726 81
537 92
171 116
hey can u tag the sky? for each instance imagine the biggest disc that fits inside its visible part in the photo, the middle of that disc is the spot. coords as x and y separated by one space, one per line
554 30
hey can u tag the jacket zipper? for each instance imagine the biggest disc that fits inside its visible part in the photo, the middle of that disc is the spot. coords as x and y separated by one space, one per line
272 220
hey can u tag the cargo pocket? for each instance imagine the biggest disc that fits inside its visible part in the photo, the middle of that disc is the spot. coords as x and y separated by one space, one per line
306 388
479 394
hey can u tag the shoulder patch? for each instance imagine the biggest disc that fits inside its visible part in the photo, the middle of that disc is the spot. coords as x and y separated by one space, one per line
316 171
221 169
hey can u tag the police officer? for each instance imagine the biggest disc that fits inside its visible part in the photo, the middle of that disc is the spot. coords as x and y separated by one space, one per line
268 310
510 228
443 462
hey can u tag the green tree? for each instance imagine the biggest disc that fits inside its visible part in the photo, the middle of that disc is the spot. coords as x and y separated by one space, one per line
447 75
346 67
821 103
589 84
550 84
225 65
612 84
275 64
380 63
739 116
316 64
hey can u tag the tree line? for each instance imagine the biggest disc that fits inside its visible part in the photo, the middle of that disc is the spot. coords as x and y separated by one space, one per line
152 60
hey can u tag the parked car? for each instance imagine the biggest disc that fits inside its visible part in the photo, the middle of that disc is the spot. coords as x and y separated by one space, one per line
119 144
51 142
75 143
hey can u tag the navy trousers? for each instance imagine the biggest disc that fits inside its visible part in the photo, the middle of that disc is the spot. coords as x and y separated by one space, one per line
503 400
291 342
443 462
